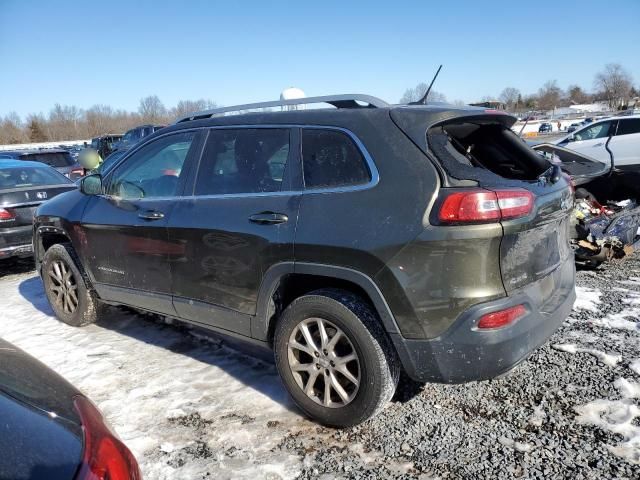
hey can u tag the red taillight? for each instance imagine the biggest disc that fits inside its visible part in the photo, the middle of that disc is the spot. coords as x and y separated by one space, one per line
6 215
76 172
502 317
105 457
473 206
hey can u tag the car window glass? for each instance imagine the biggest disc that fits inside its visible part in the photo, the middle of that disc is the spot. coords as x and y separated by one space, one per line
248 160
599 130
154 170
332 159
629 126
30 176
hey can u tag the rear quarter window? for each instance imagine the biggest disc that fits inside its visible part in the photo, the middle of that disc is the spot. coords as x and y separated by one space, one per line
54 159
332 159
629 126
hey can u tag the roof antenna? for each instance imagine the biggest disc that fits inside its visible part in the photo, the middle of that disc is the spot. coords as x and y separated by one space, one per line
423 100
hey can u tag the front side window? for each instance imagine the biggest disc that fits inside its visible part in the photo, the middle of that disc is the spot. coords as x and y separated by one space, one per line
628 126
154 170
331 159
245 160
599 130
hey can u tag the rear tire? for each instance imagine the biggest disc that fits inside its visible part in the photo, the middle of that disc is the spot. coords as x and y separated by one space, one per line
349 376
67 290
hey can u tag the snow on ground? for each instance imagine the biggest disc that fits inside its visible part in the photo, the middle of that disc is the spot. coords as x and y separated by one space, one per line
184 406
587 299
191 408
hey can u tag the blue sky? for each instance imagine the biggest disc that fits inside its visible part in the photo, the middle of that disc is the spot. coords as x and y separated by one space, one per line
84 52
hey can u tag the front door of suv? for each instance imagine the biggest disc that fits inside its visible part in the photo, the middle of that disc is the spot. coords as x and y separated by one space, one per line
125 241
240 221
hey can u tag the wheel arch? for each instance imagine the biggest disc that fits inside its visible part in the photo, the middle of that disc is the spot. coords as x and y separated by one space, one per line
286 281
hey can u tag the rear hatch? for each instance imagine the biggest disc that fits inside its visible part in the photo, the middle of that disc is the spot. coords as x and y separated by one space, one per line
60 160
476 150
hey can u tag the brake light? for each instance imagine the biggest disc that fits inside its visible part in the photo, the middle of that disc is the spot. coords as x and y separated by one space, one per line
6 215
502 318
476 206
104 457
79 172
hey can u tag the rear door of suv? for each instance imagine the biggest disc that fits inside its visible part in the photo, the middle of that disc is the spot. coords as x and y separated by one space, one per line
238 221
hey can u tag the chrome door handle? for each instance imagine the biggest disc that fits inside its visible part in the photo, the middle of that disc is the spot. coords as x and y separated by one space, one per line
268 218
151 215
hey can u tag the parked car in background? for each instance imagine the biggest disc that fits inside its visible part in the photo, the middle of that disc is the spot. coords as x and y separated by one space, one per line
614 136
23 186
105 144
57 158
133 136
340 238
545 128
50 430
573 127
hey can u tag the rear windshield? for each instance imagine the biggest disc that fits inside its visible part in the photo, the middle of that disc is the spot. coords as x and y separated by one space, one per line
16 177
475 150
53 159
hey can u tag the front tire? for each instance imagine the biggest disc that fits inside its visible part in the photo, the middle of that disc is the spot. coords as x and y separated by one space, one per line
335 358
66 288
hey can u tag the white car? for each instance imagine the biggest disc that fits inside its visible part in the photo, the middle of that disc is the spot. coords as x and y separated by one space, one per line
624 143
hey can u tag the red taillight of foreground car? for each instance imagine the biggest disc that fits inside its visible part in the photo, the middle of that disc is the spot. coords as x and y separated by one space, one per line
6 215
105 457
502 318
478 206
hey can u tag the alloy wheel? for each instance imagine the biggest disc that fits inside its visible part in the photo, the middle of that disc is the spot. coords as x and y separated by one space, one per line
64 286
324 362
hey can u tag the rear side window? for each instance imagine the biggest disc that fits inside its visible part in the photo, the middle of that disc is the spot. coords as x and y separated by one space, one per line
247 160
29 177
54 159
331 159
629 126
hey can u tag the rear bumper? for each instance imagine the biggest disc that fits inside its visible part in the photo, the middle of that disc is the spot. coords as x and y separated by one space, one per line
464 353
16 242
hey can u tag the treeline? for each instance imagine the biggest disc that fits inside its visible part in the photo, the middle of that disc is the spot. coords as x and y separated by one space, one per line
71 123
614 85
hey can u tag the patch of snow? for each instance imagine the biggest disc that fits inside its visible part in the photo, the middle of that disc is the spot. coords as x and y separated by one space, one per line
627 389
615 416
635 365
519 446
186 408
606 358
620 321
538 416
587 299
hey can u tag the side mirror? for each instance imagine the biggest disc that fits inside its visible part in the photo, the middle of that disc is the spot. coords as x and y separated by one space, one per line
91 185
571 138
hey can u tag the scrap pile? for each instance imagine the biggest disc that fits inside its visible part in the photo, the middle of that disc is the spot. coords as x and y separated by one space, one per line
604 232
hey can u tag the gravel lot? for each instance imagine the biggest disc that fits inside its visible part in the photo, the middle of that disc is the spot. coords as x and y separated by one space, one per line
191 408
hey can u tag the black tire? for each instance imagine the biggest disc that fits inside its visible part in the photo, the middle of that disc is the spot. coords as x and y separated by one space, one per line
378 365
87 309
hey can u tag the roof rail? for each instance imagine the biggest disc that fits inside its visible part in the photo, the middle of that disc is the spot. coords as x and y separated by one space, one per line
338 101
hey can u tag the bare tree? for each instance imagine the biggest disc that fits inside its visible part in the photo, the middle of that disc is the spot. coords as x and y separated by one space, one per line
615 83
415 94
186 107
152 110
11 130
509 97
575 94
549 95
